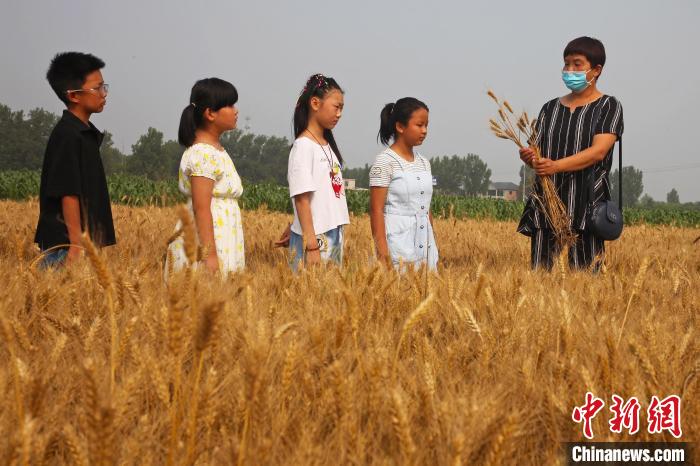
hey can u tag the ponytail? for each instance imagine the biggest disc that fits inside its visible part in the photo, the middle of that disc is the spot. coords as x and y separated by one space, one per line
399 112
328 135
387 124
188 126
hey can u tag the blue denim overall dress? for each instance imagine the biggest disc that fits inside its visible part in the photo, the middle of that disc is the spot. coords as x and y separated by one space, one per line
409 233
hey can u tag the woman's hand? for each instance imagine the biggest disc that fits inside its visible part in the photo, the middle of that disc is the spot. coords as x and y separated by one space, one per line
527 155
283 242
545 167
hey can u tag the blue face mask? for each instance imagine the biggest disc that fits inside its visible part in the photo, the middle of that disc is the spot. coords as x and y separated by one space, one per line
575 80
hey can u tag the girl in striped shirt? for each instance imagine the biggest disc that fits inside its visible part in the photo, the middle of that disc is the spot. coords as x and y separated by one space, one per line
401 188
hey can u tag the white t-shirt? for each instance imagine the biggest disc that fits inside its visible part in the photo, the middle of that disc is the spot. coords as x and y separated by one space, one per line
309 171
385 165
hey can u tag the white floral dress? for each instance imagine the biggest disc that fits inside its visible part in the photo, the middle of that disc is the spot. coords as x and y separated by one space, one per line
210 162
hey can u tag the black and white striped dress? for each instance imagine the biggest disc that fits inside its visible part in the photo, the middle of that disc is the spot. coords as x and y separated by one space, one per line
563 133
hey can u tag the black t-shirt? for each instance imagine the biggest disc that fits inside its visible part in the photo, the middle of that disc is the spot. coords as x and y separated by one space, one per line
563 133
73 166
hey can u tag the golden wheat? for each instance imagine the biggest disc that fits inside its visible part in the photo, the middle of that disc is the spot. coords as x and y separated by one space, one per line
335 366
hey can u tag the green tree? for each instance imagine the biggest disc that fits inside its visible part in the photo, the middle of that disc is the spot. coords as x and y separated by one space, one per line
359 174
446 171
274 155
147 156
477 176
645 201
112 158
258 158
468 175
632 185
23 140
672 197
172 154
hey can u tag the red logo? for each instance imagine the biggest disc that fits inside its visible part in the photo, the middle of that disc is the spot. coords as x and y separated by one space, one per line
587 412
665 415
624 415
662 415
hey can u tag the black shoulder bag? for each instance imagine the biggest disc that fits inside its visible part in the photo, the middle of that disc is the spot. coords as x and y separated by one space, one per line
605 217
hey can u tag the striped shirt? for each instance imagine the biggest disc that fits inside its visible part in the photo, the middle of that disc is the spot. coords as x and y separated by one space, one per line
563 133
388 162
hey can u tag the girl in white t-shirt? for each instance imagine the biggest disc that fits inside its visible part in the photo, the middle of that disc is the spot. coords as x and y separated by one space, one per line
401 188
314 177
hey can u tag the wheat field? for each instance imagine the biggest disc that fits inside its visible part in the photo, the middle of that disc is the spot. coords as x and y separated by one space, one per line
481 364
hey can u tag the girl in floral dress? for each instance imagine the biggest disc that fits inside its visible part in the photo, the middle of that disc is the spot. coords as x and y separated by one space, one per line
209 179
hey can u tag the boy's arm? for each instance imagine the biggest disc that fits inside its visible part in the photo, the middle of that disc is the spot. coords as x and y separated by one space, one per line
70 205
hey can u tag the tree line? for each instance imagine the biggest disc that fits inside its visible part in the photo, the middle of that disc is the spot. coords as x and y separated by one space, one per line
259 158
262 159
23 139
456 175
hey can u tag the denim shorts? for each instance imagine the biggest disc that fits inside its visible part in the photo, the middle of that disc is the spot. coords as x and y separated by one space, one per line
55 258
331 243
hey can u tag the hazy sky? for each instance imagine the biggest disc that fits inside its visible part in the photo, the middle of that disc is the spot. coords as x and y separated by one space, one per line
445 53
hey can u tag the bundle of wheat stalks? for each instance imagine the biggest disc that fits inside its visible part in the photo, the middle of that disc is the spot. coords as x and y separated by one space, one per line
549 201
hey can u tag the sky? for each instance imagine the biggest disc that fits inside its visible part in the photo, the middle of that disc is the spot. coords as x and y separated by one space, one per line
446 53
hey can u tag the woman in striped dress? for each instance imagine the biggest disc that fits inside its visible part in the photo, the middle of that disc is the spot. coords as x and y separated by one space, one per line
577 134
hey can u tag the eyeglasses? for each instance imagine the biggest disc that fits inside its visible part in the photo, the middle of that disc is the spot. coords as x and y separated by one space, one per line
102 89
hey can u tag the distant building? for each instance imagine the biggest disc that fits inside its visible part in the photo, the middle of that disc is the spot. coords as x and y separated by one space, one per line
503 190
350 185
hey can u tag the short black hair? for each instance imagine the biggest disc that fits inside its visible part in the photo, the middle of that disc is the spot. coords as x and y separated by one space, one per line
68 70
591 48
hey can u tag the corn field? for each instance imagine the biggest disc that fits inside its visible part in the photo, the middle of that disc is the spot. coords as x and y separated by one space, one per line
482 363
140 191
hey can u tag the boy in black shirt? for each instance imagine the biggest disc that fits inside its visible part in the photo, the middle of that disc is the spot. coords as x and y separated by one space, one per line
73 195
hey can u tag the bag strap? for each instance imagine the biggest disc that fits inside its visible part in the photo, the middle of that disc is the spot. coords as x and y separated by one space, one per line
591 177
619 171
591 174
